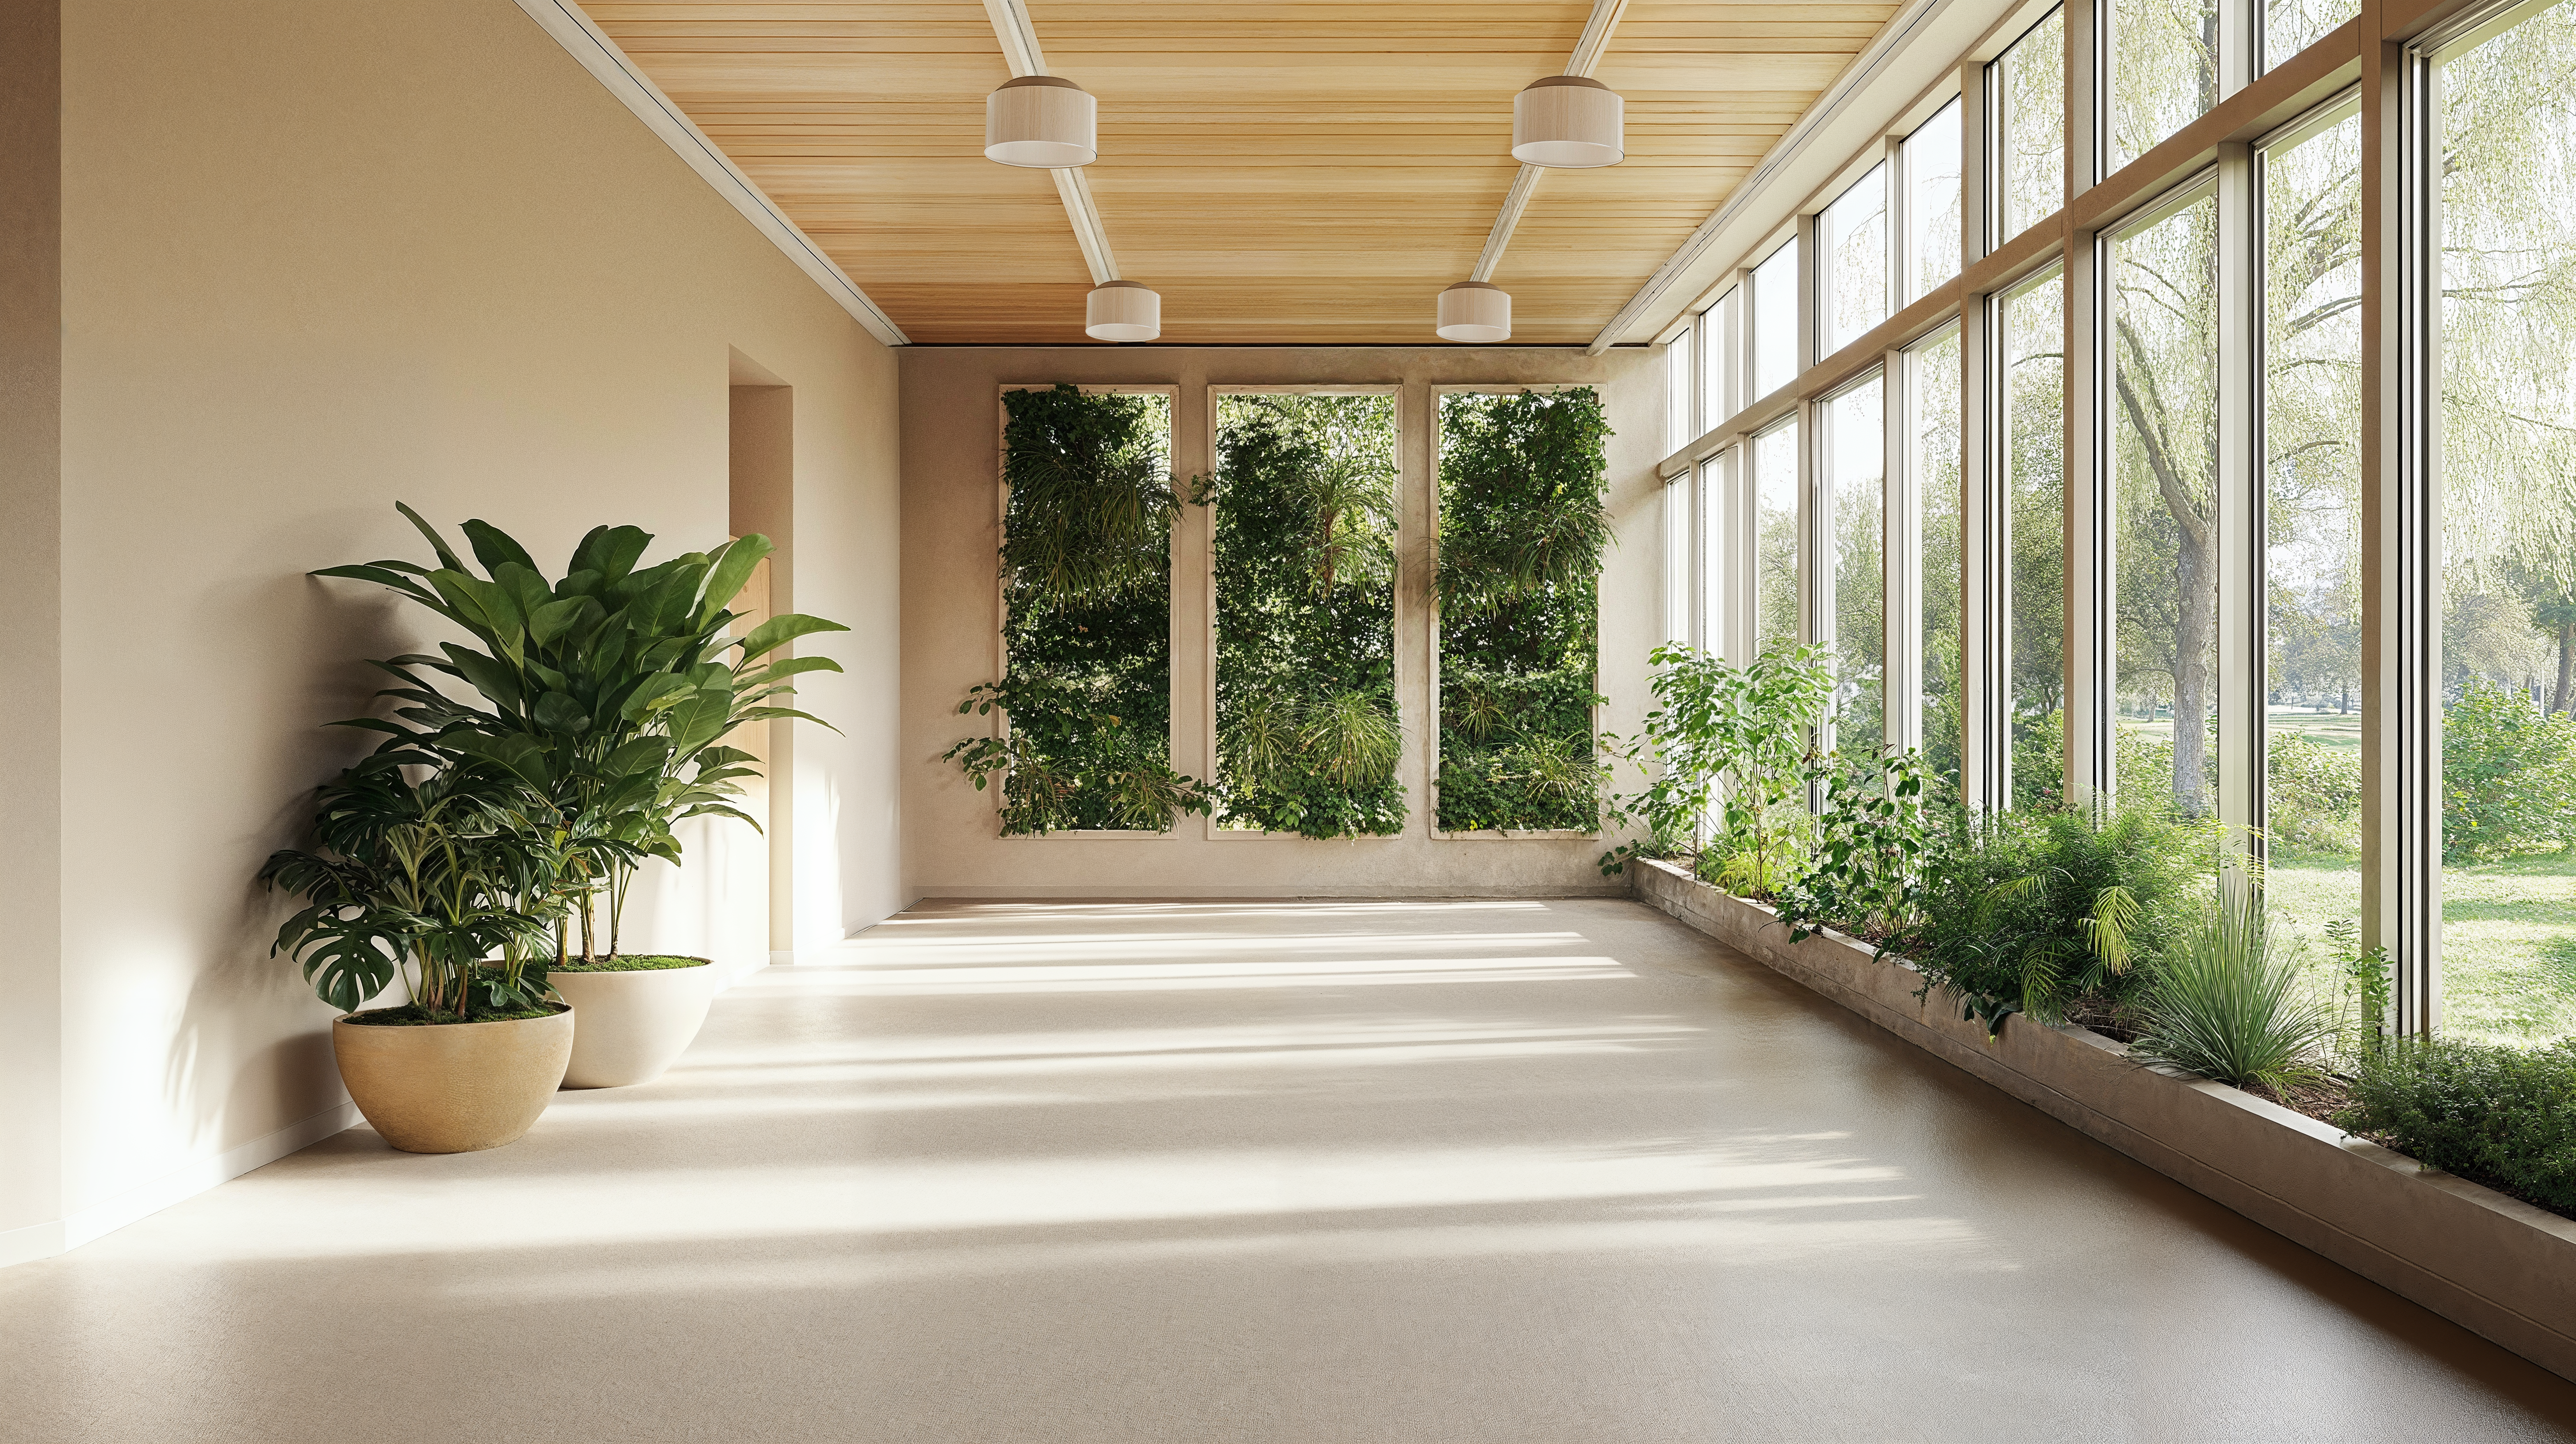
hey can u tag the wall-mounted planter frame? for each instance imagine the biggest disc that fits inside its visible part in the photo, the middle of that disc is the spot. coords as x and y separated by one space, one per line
2493 1264
1430 591
1001 724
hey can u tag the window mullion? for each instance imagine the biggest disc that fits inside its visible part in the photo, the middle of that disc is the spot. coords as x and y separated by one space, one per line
2242 694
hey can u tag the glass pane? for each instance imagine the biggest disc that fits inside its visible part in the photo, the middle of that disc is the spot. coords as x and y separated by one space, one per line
1775 321
1932 199
2312 532
1717 362
2032 80
1775 534
1853 233
2034 350
1680 536
2508 477
2164 470
1680 390
1855 427
1718 571
2164 71
1932 371
2290 26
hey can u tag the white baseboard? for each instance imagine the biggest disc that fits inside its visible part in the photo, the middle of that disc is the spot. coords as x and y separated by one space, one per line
44 1240
35 1241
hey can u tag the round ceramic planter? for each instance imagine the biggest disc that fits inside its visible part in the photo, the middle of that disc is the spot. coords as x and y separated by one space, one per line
453 1087
634 1023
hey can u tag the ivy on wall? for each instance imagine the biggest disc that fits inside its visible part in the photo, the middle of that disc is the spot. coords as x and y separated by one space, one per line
1522 528
1307 737
1086 593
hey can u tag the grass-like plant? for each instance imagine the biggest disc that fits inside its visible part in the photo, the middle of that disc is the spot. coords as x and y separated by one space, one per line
2227 1002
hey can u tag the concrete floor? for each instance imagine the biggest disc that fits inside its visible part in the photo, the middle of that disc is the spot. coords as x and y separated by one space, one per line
1428 1171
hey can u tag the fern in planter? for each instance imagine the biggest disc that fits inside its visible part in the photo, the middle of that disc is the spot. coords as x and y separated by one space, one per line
1307 735
1522 529
1086 591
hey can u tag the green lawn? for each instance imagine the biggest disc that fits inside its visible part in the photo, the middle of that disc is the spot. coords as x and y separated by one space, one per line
2508 937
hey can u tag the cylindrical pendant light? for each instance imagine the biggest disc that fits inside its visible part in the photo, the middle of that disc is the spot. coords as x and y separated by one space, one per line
1569 122
1475 311
1122 311
1043 122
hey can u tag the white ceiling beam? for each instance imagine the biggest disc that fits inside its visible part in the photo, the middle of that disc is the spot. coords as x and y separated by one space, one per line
1597 29
608 65
1020 50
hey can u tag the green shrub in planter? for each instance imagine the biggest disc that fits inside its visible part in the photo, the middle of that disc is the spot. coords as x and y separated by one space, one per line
2505 1117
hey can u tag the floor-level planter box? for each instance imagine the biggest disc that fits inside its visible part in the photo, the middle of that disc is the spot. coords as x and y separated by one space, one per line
2492 1263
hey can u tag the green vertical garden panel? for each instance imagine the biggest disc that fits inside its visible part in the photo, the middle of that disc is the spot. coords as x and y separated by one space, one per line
1086 632
1307 736
1522 529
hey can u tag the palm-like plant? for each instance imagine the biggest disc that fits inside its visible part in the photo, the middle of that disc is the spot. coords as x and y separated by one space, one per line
423 881
604 694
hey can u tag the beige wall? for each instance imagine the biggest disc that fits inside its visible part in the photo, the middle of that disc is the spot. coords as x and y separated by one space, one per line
951 459
317 256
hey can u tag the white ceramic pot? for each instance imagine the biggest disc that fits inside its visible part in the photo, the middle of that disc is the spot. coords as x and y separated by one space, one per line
631 1025
453 1087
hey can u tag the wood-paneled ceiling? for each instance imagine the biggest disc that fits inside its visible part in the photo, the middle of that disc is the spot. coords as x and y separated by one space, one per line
1282 171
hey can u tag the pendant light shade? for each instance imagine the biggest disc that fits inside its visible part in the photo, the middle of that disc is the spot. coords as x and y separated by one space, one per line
1569 122
1475 311
1122 311
1044 122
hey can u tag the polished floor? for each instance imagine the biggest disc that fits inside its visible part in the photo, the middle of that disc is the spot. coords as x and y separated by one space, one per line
1311 1172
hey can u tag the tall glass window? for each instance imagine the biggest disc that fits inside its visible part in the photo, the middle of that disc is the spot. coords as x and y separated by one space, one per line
1717 366
2031 100
1775 534
1721 568
1854 501
2312 426
2164 497
1852 233
1681 390
1932 242
2034 465
2164 71
2506 117
1680 534
1775 322
2290 26
1932 412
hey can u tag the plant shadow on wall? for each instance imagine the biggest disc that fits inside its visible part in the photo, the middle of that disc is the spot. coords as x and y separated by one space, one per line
1307 731
1523 525
507 815
1084 705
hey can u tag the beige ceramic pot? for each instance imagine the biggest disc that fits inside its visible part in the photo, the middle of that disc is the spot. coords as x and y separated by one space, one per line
453 1087
633 1024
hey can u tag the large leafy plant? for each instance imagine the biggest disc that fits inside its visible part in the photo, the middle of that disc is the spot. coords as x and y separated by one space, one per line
604 694
1305 614
1522 528
1086 593
424 881
1728 753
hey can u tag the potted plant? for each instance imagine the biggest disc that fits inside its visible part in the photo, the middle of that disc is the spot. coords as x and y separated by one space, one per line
606 694
422 882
